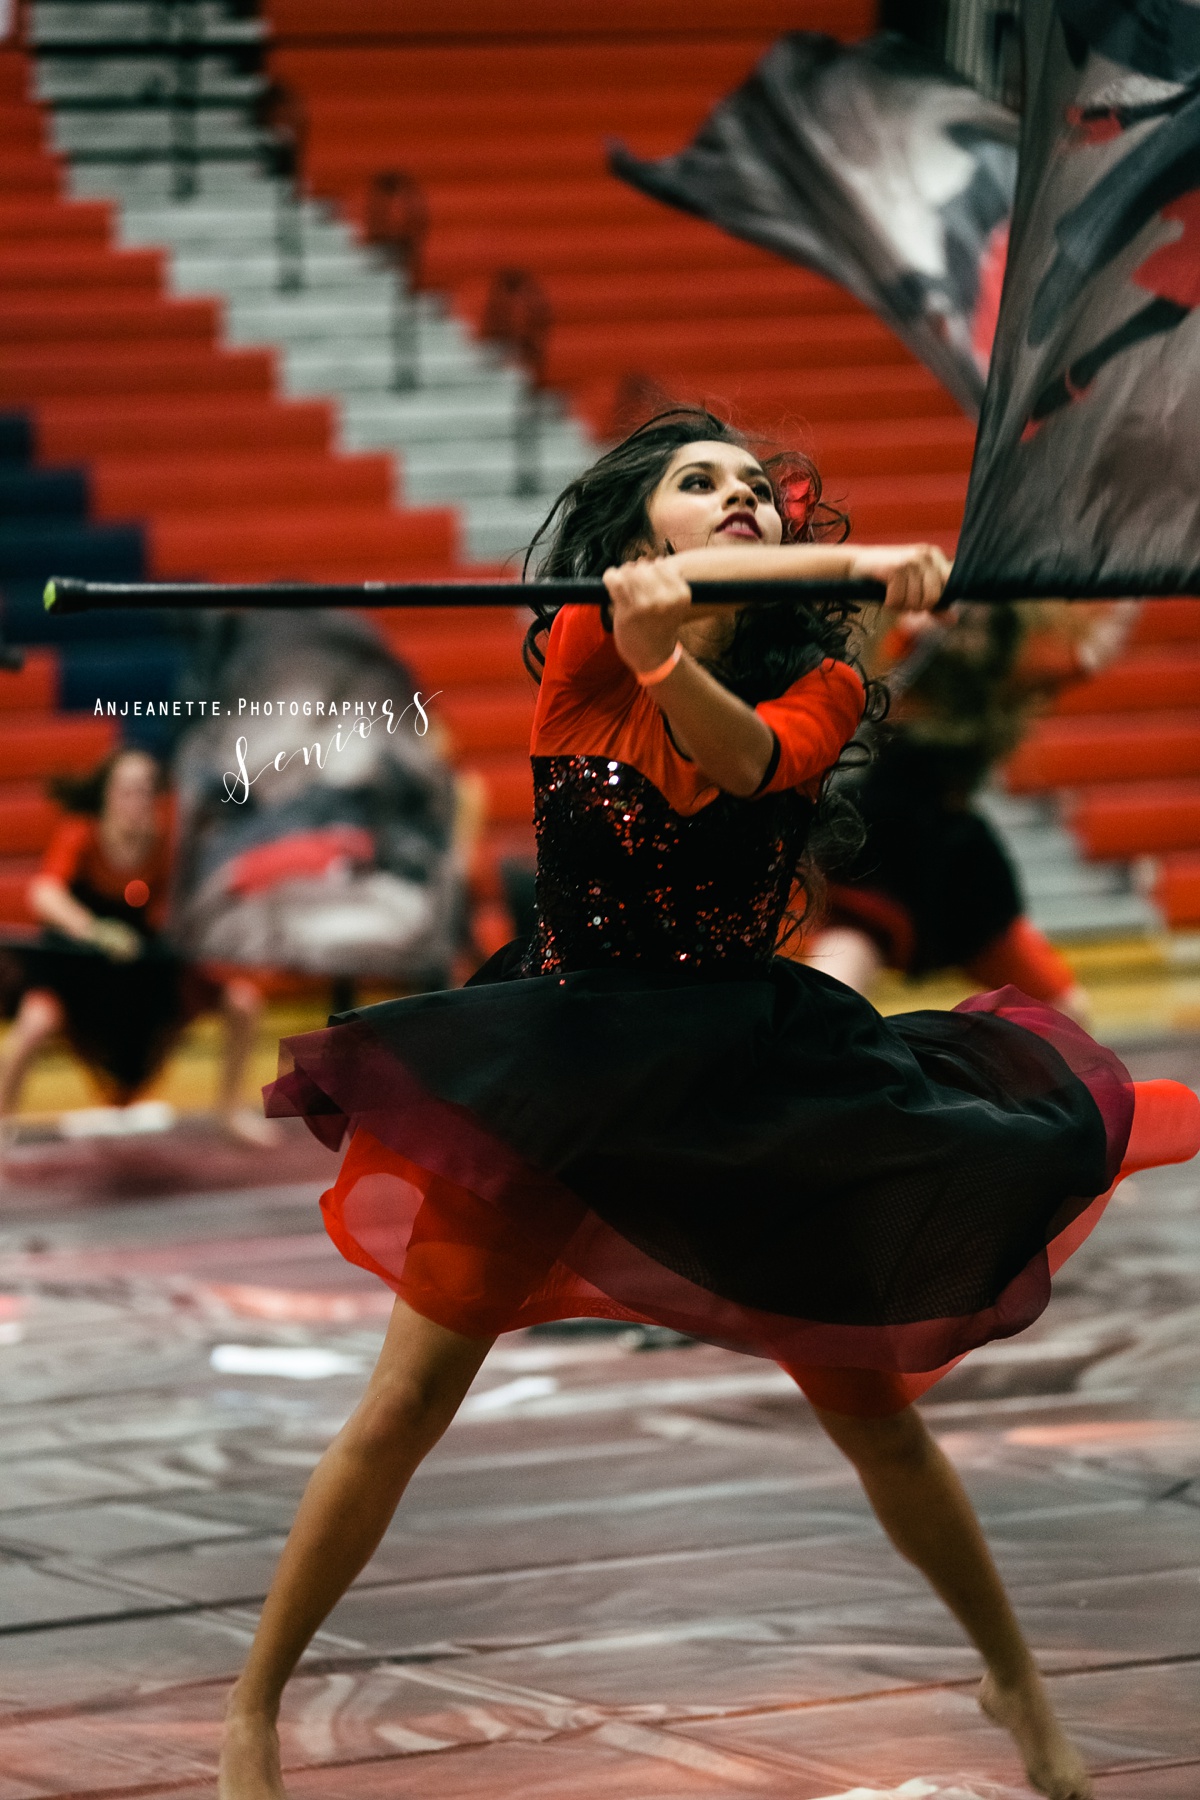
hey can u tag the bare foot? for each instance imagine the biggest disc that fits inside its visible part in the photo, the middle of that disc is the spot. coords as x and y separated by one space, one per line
249 1127
1052 1763
250 1760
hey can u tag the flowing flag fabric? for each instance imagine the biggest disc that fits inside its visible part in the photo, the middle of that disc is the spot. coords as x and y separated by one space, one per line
874 165
1085 474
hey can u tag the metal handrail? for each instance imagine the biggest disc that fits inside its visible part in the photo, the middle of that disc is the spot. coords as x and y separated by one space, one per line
282 119
186 49
518 319
397 224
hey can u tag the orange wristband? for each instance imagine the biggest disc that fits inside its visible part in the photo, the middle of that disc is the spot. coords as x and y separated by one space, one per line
652 677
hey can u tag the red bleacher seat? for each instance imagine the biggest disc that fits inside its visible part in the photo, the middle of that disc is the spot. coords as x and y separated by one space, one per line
125 487
20 128
28 172
684 350
1168 622
1146 679
487 718
1137 818
32 688
16 872
28 818
448 650
98 269
1118 747
40 744
268 544
508 781
74 430
53 319
764 288
617 18
30 374
1178 888
49 219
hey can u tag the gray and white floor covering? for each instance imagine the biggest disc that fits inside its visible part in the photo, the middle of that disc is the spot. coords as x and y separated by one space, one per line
628 1572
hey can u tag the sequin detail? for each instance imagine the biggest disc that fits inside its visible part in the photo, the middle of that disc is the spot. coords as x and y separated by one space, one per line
623 878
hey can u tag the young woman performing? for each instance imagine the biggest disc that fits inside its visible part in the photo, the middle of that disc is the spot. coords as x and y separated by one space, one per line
642 1114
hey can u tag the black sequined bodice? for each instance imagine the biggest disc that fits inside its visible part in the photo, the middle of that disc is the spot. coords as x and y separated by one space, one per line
623 878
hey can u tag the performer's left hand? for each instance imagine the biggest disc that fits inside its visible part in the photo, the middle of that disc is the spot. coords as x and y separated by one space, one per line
915 575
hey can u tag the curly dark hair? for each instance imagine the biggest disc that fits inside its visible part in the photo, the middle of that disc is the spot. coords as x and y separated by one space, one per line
601 519
85 794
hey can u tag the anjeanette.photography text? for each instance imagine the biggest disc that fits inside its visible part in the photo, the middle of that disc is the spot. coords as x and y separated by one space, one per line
265 709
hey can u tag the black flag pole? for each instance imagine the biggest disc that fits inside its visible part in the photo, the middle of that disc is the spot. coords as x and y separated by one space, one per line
64 594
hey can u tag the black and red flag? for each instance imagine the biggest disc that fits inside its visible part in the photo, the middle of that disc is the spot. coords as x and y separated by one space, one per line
1085 479
875 165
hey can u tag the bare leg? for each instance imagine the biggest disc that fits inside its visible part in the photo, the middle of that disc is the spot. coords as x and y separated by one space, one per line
241 1009
922 1505
847 955
1077 1005
417 1386
39 1018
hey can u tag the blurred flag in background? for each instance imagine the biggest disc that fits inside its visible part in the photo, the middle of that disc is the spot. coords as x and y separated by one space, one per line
1084 481
875 165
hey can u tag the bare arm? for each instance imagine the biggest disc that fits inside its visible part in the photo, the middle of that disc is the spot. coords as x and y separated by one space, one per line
723 736
914 575
653 610
56 905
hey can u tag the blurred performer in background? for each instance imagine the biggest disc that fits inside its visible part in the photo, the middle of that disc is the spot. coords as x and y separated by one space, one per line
101 974
932 887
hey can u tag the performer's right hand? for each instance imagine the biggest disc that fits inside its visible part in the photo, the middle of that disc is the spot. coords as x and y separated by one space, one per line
915 575
650 603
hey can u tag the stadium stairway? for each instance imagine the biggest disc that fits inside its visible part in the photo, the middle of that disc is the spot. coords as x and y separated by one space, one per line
134 444
502 117
1122 754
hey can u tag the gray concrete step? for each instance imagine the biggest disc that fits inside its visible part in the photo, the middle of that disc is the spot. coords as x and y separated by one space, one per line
205 225
433 471
350 368
1080 916
138 22
1066 896
498 529
454 436
80 133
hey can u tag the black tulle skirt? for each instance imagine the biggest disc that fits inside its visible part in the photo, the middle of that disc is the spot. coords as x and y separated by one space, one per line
761 1161
121 1018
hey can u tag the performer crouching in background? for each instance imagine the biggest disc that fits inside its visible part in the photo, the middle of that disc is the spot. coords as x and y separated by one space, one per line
102 975
932 888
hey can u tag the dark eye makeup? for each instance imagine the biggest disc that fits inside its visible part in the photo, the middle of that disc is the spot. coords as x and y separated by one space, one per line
761 489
